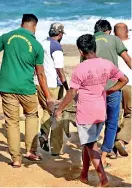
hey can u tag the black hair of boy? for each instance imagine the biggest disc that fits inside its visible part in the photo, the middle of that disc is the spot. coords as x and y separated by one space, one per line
86 43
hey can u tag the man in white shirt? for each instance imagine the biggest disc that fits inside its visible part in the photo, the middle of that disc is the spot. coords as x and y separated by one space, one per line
124 131
53 65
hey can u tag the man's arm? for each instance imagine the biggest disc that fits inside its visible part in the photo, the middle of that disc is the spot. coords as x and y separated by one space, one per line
75 84
42 80
61 74
119 85
122 51
59 64
117 75
67 99
127 59
43 84
39 69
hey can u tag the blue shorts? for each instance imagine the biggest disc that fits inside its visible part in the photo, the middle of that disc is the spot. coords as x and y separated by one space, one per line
89 133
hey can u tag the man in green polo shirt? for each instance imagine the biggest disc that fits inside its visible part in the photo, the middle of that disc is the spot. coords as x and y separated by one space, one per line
23 55
109 47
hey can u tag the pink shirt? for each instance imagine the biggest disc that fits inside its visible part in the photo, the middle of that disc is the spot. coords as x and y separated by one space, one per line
89 78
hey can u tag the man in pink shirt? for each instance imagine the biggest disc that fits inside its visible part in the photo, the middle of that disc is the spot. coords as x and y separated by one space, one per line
88 81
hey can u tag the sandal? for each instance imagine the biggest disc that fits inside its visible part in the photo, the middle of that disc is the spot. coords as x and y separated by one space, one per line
107 165
33 157
15 165
112 155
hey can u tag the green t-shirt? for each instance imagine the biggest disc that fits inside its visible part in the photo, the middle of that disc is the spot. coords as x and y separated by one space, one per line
109 47
22 52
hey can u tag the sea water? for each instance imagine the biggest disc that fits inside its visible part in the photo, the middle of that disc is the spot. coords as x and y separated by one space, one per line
78 16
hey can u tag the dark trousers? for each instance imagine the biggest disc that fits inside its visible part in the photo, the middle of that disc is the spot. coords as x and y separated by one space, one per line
111 124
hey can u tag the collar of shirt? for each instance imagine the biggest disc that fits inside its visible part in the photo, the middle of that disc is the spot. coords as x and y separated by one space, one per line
27 31
99 33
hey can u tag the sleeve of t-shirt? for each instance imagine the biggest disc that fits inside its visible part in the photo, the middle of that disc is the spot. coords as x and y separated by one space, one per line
40 56
1 43
115 73
75 82
57 54
120 47
58 59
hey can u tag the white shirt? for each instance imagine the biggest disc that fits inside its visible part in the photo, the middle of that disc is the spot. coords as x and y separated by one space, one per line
122 65
53 58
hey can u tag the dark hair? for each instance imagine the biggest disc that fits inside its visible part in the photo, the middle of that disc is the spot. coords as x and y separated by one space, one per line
53 33
86 43
29 18
102 25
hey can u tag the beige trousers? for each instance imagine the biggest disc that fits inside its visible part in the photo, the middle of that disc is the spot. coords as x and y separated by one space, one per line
124 130
56 139
10 104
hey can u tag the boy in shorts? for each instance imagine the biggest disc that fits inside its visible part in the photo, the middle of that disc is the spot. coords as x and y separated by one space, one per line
88 81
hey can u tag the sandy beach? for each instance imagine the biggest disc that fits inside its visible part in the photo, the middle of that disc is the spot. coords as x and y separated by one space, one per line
62 171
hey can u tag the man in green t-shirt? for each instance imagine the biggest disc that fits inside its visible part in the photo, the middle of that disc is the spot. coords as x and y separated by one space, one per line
23 55
109 47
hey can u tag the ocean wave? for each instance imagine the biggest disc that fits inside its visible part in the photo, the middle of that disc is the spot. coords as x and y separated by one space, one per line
111 3
53 3
73 28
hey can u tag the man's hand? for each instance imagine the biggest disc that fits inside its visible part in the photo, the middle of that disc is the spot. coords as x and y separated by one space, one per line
119 85
50 103
108 92
58 113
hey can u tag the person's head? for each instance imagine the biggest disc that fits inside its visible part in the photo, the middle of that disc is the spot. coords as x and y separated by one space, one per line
87 46
29 21
121 31
56 31
102 25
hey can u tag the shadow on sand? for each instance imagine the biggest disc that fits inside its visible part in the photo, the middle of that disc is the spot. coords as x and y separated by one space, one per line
67 166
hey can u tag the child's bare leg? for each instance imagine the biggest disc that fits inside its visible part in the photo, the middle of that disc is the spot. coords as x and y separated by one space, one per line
96 160
86 164
103 158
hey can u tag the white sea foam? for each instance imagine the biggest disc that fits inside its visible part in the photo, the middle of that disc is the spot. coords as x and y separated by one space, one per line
73 28
111 3
52 2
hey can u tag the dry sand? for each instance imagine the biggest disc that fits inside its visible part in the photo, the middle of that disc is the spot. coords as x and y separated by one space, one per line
59 171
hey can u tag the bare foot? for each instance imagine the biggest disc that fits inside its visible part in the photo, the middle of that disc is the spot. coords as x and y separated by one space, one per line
16 164
104 184
83 180
106 165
